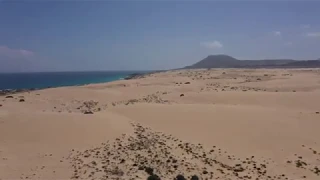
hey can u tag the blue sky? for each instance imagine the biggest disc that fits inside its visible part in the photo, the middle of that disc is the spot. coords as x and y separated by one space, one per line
146 35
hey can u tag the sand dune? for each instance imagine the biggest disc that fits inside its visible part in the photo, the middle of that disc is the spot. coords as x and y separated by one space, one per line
210 124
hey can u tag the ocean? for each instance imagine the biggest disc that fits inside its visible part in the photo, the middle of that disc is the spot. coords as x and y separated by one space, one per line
58 79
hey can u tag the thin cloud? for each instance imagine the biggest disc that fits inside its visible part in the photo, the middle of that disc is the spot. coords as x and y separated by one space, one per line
305 26
313 34
276 33
212 45
288 43
15 53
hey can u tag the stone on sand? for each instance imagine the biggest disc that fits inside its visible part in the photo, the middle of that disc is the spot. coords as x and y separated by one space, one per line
194 177
154 177
88 112
180 177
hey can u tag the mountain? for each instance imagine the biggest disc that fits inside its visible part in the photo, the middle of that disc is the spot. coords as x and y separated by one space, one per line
217 61
225 61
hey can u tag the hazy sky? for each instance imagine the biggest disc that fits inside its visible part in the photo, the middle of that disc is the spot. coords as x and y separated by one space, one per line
144 35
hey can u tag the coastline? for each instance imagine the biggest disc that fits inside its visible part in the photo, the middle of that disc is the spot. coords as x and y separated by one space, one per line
5 92
190 122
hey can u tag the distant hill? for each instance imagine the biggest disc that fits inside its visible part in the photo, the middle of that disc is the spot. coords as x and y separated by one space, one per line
225 61
304 64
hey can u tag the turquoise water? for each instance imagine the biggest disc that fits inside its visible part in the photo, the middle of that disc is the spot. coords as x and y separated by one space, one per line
58 79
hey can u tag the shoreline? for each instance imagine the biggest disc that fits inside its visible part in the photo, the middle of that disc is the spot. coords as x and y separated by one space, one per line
5 92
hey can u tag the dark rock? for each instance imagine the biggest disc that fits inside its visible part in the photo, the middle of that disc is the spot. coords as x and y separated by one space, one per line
13 91
181 95
149 170
317 112
180 177
187 83
21 100
135 76
300 164
316 170
194 177
9 97
88 112
153 177
205 172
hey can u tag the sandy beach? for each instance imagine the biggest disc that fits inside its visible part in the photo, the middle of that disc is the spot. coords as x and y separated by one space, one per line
214 124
